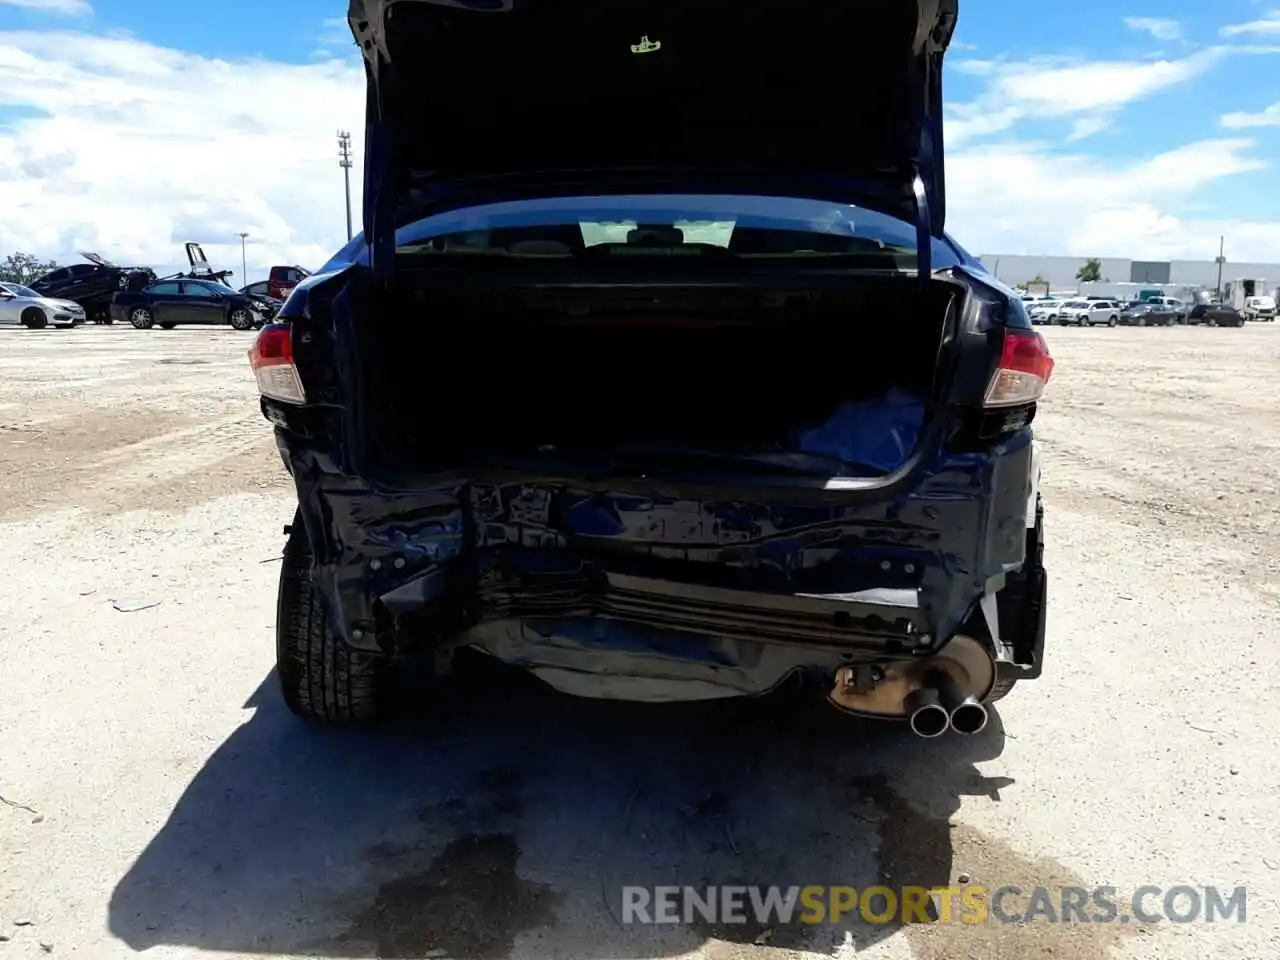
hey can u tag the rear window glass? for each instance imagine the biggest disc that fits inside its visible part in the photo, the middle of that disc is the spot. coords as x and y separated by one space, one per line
666 225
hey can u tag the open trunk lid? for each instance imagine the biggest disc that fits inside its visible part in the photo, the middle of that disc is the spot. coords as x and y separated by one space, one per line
99 260
199 262
474 101
201 269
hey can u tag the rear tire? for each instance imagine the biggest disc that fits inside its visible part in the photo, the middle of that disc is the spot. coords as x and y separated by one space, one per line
33 318
141 318
321 678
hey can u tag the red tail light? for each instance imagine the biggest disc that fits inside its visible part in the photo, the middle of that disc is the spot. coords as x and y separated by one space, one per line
1025 368
271 358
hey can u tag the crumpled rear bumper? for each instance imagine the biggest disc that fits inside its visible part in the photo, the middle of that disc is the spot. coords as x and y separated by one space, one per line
628 593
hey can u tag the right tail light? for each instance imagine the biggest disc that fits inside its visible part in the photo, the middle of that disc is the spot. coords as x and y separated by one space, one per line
1025 368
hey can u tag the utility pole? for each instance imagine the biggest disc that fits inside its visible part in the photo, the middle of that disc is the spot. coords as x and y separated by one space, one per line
244 269
1220 261
344 161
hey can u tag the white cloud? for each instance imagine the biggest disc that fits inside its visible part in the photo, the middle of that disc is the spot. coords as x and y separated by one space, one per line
134 148
1060 90
1158 27
334 34
1020 198
1269 117
1268 26
129 149
1086 127
1055 88
59 8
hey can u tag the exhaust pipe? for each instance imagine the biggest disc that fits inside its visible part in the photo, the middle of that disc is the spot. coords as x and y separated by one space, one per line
966 714
932 695
926 714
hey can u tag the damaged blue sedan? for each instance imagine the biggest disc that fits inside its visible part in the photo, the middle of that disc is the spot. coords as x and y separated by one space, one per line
655 373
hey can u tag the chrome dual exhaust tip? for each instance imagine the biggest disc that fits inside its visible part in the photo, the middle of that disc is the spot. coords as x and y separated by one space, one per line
965 713
932 696
925 713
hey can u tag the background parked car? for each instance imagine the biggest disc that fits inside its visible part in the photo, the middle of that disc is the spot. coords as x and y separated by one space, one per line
1089 313
171 302
1172 310
283 279
1103 313
1259 308
1070 310
22 305
92 284
1160 312
1138 313
1216 315
268 306
1044 311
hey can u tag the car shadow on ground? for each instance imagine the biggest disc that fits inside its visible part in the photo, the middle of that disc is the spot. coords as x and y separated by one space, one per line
506 820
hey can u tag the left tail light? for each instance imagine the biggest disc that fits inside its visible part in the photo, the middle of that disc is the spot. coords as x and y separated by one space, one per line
271 358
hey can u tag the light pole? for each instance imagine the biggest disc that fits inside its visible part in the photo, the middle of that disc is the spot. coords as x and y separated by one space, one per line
1220 260
244 270
344 161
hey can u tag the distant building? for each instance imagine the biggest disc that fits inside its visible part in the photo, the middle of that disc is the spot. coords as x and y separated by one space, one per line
1060 272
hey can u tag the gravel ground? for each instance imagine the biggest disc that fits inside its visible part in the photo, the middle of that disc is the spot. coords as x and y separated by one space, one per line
158 797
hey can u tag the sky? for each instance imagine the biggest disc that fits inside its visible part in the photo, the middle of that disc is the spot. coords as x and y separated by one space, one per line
1144 130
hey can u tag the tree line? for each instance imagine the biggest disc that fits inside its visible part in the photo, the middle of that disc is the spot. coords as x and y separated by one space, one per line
23 268
1090 272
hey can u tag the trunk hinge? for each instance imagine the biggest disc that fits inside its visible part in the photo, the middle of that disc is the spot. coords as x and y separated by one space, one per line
921 184
380 169
924 232
379 208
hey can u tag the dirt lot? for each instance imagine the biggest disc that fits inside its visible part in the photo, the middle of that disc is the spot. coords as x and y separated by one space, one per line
158 796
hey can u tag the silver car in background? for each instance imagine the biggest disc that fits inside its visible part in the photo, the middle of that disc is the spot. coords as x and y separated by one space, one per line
21 305
1089 313
1044 311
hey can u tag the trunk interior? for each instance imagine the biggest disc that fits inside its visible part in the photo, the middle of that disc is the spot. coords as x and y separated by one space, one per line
836 380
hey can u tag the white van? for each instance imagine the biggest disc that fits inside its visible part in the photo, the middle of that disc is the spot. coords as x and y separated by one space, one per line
1259 308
